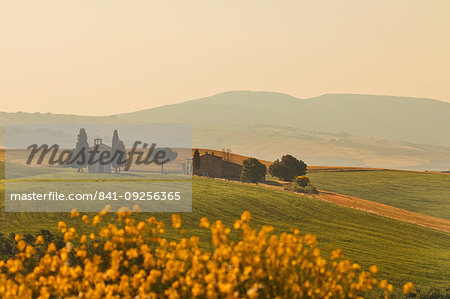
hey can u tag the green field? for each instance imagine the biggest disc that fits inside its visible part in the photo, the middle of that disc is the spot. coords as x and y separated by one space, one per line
425 193
404 252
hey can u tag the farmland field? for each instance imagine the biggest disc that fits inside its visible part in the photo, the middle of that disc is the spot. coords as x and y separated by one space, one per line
404 252
425 193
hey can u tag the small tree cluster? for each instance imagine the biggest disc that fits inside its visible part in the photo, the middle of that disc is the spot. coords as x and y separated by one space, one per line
226 153
302 184
302 180
288 168
253 171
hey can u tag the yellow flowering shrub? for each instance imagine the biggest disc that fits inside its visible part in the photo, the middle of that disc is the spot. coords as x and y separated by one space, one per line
126 258
302 180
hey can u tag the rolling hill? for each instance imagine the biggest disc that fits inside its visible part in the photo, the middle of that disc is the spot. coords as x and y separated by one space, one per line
420 121
339 129
404 252
330 130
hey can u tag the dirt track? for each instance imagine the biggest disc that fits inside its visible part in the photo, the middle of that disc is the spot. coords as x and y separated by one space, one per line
377 208
385 210
349 169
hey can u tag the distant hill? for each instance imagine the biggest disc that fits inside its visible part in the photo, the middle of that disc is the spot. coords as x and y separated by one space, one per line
330 130
421 121
325 149
50 118
43 118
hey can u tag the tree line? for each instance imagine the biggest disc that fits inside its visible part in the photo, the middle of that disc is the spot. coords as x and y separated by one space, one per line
288 168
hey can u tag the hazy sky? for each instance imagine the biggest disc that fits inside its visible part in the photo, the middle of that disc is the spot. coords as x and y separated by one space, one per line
103 57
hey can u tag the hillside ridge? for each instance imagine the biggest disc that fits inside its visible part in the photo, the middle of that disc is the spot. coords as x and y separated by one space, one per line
219 96
332 129
416 120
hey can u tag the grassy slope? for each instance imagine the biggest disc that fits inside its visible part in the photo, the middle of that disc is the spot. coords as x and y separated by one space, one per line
424 193
402 251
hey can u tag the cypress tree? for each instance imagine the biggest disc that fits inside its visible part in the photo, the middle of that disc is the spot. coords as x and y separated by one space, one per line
81 152
196 161
118 152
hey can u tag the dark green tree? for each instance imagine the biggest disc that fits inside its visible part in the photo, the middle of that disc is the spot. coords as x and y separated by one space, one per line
196 161
253 171
118 152
80 155
288 168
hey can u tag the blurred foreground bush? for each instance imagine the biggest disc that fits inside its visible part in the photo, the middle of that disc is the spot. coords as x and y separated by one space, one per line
125 258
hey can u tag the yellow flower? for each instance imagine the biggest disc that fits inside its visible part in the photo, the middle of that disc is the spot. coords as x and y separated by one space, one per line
51 247
14 265
39 240
141 226
85 218
197 290
74 213
62 226
408 288
83 239
21 245
383 284
96 220
105 210
225 287
246 216
336 254
68 236
237 224
176 221
267 228
204 222
132 253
